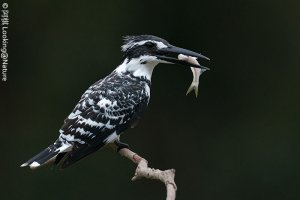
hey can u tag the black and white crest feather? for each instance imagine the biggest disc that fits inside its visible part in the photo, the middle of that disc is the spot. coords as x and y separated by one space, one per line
134 46
129 41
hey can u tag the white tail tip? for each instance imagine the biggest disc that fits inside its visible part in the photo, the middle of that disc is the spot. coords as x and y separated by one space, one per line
34 165
24 165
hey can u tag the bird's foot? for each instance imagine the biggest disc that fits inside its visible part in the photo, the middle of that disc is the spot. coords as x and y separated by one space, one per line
120 145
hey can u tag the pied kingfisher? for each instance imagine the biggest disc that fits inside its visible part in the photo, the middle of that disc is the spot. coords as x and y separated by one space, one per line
112 104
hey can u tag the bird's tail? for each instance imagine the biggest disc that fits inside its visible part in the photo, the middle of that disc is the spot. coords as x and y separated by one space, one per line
48 155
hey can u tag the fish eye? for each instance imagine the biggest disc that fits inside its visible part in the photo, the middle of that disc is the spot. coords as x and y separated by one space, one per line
149 44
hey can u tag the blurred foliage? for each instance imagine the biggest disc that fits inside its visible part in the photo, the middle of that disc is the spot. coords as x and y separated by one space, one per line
238 140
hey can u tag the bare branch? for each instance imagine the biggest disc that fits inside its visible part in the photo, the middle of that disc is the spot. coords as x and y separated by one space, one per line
143 171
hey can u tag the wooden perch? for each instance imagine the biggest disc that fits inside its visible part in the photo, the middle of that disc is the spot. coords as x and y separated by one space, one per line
143 171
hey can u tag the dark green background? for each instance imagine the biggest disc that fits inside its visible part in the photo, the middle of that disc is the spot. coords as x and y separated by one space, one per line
238 140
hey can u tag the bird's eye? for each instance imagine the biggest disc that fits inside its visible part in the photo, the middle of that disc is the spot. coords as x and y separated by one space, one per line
149 44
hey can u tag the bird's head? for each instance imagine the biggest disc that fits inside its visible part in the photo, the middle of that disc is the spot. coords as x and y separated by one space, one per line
143 52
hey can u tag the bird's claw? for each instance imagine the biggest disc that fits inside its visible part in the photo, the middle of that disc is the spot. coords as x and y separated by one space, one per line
120 145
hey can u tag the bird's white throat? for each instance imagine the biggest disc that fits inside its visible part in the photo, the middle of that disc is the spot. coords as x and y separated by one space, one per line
141 66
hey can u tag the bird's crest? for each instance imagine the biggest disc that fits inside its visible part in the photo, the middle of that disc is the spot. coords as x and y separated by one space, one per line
130 40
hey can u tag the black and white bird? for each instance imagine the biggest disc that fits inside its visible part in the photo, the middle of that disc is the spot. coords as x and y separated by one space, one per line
112 104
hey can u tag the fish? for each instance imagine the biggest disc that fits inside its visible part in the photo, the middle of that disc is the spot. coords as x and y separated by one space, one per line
196 72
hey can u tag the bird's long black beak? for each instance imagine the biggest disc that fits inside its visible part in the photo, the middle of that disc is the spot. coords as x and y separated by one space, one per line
170 54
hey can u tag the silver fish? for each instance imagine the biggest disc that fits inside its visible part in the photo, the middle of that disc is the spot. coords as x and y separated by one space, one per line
196 72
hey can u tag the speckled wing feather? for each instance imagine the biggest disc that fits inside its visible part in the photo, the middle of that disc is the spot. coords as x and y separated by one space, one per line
104 111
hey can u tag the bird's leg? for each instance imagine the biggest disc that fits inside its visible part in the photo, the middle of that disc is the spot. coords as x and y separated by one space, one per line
120 145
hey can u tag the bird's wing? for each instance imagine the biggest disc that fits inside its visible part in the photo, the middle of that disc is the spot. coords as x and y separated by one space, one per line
98 119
